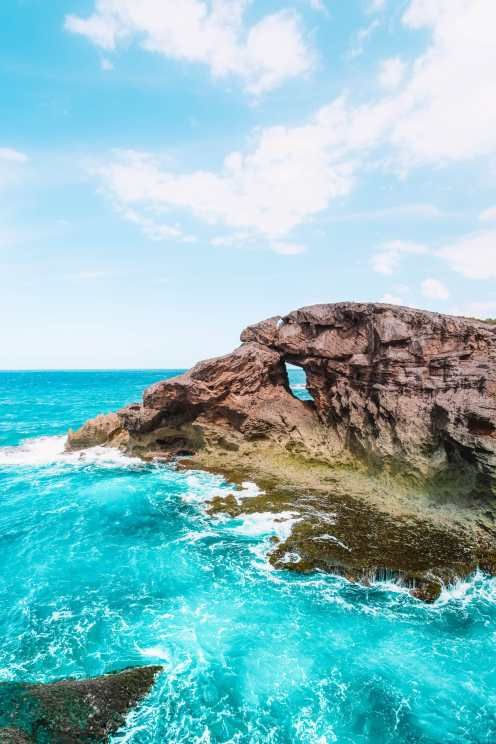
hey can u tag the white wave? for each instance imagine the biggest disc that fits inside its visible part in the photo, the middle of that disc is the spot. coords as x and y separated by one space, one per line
248 490
154 652
193 537
51 450
203 487
39 451
266 523
476 587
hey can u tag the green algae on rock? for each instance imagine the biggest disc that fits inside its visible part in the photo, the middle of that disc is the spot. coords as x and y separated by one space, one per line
342 527
71 711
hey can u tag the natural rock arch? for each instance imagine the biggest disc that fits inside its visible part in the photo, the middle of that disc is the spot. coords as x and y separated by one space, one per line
403 390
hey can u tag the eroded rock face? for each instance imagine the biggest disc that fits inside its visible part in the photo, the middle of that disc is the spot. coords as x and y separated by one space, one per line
71 711
403 390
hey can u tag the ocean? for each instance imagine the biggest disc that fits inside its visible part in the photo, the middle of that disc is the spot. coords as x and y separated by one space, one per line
106 562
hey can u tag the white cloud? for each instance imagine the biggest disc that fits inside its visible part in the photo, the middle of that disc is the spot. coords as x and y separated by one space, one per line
434 289
153 229
488 215
391 73
474 256
388 257
449 104
9 155
391 299
445 109
210 32
290 175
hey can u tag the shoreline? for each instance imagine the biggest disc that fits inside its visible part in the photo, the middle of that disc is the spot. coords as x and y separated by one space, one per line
344 525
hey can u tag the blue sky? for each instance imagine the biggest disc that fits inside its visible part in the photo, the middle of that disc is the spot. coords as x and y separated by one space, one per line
172 170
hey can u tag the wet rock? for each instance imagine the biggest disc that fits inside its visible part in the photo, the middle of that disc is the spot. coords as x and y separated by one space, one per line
71 711
13 736
99 430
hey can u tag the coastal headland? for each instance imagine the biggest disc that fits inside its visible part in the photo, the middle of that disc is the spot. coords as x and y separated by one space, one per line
390 469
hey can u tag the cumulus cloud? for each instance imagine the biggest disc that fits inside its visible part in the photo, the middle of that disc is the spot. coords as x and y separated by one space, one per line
288 175
211 32
388 258
445 109
473 256
391 73
434 289
449 103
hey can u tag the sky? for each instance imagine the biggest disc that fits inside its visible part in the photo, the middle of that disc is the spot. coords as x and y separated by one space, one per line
174 170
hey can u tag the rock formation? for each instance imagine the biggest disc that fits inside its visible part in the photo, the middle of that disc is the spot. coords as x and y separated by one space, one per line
403 391
396 451
71 711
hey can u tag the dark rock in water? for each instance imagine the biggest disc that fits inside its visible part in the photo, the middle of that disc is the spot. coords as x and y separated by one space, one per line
71 711
404 397
13 736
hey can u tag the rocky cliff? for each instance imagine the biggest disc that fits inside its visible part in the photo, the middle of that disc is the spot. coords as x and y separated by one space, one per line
400 390
397 449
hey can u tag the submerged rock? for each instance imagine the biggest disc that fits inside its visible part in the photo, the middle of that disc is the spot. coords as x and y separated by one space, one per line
71 711
404 396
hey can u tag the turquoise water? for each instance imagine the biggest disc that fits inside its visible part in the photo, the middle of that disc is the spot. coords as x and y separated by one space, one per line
106 562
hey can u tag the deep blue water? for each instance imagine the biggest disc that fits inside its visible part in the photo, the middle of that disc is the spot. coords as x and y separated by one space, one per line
106 562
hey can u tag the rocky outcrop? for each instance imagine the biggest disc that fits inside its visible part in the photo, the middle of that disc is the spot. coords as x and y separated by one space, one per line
389 471
401 391
71 711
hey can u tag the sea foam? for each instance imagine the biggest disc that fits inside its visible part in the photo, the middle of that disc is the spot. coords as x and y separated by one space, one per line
42 451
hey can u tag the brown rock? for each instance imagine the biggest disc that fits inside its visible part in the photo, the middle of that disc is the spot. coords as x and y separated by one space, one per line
406 391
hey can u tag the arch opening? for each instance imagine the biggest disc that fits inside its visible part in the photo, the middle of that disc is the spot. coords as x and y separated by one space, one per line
297 379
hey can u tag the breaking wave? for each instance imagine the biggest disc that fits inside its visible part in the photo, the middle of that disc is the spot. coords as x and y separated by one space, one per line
41 451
